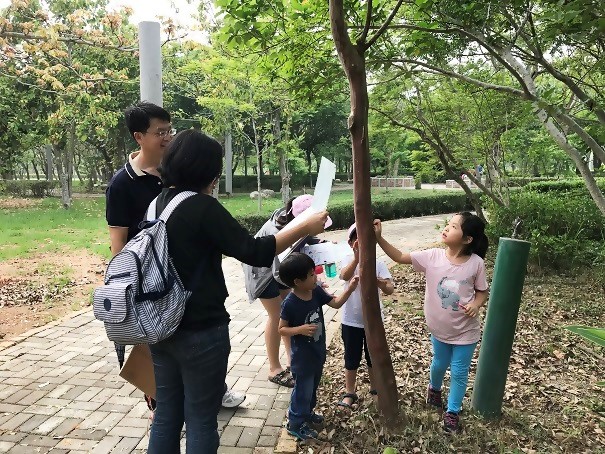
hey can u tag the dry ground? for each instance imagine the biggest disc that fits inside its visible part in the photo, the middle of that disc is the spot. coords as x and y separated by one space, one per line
42 288
552 404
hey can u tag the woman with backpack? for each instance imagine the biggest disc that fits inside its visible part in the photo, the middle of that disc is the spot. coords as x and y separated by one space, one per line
190 366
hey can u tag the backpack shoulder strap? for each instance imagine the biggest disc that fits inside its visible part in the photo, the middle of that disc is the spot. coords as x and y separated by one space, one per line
175 202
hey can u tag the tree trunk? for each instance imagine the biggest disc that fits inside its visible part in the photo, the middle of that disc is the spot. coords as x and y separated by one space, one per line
26 169
396 167
245 153
228 162
544 115
62 174
581 166
283 158
258 167
352 59
36 169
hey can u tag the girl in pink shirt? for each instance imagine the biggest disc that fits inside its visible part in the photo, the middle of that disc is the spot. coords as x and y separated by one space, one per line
456 288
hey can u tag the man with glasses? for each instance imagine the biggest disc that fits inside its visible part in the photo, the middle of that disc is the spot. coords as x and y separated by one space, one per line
135 185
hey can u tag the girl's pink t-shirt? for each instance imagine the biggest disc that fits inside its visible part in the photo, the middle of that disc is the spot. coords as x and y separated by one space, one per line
447 286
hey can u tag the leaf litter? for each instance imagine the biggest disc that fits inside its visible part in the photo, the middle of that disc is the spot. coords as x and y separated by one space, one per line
552 402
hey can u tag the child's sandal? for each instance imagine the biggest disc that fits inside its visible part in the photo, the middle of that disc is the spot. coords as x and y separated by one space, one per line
354 398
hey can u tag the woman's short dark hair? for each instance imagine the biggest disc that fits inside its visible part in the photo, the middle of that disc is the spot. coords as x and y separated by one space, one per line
474 227
192 162
295 266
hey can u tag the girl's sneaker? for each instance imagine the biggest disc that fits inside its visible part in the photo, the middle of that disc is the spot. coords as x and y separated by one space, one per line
304 432
433 398
451 423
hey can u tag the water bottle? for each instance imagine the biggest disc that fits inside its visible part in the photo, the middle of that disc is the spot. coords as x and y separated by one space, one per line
330 270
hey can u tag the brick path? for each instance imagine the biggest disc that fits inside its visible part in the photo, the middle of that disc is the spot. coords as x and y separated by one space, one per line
60 391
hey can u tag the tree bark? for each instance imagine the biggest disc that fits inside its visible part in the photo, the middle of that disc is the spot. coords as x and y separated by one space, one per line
36 169
49 163
283 158
228 162
352 59
59 153
258 167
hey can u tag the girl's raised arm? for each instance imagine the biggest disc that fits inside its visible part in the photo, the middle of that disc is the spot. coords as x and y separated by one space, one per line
390 250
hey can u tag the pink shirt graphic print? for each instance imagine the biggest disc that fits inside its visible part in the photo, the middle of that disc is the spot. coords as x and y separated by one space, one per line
449 285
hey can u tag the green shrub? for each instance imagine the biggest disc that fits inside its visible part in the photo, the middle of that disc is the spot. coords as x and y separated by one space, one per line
26 188
396 208
43 188
16 188
517 181
247 183
562 185
565 228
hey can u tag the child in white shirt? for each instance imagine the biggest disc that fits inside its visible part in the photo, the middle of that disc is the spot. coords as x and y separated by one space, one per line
353 333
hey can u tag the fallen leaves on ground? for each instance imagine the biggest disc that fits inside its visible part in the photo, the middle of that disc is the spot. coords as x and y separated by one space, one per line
552 402
11 203
22 292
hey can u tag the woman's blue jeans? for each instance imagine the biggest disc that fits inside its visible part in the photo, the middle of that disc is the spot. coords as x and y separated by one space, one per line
458 358
190 369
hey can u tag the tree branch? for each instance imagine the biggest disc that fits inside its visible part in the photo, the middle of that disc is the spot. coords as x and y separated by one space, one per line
440 147
501 88
574 154
366 29
384 26
66 39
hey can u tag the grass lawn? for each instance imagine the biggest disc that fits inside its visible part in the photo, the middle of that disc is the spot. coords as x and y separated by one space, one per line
46 227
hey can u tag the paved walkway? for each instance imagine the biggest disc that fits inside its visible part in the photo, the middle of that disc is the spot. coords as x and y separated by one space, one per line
60 391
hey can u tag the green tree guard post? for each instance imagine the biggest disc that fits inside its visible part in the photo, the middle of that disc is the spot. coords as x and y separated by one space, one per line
499 332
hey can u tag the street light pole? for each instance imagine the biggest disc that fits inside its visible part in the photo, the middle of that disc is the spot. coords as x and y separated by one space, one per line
150 62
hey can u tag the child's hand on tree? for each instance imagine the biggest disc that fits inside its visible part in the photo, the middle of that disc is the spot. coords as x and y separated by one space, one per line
381 283
356 250
377 228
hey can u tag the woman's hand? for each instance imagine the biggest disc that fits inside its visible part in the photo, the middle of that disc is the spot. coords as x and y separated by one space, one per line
377 228
316 222
356 251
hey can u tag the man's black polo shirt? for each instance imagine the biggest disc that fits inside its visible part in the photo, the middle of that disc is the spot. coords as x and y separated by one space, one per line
128 196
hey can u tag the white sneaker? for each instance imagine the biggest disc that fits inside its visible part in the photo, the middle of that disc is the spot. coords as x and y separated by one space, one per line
232 399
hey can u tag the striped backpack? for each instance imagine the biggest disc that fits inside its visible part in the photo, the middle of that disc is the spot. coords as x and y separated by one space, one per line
143 299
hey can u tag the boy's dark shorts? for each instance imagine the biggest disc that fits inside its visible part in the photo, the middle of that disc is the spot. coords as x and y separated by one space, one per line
354 340
273 290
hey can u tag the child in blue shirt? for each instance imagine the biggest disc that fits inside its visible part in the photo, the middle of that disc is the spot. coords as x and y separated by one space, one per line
302 319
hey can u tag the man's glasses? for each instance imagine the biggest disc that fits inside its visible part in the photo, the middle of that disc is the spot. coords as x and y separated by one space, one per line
165 133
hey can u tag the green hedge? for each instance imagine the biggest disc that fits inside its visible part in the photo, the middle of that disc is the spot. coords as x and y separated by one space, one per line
397 208
247 183
516 181
562 185
565 228
28 188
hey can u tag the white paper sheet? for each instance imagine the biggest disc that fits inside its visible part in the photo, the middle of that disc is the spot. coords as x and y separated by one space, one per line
324 253
323 188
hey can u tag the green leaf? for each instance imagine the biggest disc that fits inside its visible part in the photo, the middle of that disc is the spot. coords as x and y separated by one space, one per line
596 335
